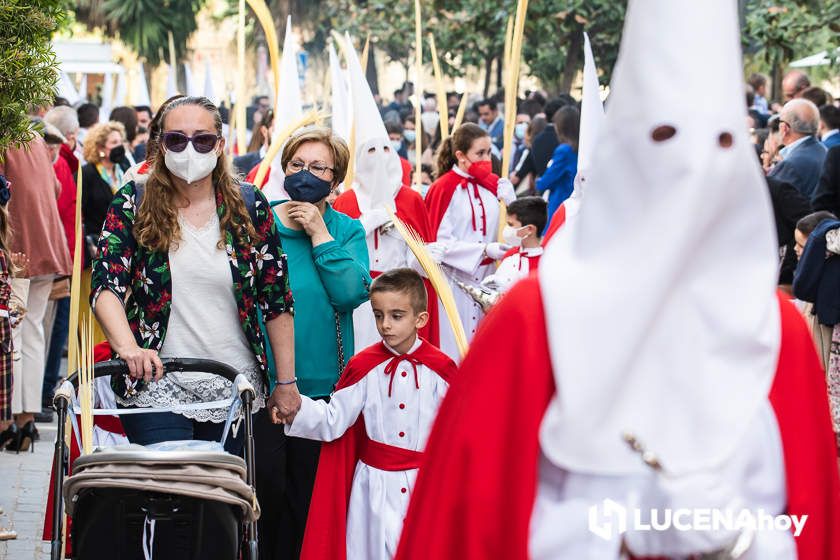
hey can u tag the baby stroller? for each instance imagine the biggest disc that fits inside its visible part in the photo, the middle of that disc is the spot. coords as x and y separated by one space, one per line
184 500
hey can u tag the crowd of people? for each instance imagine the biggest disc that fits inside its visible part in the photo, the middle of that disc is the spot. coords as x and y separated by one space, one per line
328 311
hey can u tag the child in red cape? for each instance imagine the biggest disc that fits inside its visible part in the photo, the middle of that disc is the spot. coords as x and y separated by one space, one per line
376 423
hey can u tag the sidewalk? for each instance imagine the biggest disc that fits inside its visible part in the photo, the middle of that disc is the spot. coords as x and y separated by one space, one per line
24 481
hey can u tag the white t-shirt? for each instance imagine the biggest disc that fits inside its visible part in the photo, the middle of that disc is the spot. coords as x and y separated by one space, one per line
203 323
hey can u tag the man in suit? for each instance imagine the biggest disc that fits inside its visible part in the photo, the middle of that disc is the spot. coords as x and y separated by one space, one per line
827 196
830 126
493 123
803 154
789 206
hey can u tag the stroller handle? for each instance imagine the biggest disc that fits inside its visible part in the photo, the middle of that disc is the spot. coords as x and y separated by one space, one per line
119 367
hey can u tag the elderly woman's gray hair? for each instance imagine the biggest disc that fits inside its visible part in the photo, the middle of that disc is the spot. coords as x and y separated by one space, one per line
65 119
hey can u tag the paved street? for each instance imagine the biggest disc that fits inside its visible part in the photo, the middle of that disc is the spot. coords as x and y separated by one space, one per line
24 481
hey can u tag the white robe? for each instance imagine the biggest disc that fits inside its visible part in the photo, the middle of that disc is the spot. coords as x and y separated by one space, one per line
463 256
386 252
560 519
378 499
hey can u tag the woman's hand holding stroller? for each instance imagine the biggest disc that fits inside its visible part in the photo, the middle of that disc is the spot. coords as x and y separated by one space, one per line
143 363
284 403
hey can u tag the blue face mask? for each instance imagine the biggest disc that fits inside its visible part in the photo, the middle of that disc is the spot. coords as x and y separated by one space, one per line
303 186
410 136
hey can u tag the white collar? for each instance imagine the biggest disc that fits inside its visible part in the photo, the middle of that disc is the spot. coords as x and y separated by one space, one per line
461 172
830 133
531 252
417 342
784 152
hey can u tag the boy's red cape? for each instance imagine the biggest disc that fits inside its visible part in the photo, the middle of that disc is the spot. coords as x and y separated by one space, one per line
412 212
326 527
475 493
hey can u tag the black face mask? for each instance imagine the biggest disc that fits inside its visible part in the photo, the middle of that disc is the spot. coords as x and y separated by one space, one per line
303 186
117 154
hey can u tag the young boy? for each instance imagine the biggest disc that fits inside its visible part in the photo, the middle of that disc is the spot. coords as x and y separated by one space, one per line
377 421
526 218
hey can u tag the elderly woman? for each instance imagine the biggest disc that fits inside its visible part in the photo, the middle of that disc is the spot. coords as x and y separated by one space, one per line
329 262
66 120
199 258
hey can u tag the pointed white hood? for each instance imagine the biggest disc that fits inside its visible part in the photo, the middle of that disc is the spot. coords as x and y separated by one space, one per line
660 303
209 90
172 82
378 173
67 90
288 108
142 92
192 85
107 97
341 109
591 121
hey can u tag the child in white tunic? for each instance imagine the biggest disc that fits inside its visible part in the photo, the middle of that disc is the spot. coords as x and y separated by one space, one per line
378 420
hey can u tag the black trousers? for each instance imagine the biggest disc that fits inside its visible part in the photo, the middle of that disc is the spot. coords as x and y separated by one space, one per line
285 475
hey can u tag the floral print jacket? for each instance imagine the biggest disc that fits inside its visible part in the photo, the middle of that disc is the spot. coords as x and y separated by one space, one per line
141 277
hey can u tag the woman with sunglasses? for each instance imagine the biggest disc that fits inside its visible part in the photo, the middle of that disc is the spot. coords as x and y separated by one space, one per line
197 262
329 262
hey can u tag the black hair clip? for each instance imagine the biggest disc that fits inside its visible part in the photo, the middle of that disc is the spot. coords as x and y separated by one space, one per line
5 193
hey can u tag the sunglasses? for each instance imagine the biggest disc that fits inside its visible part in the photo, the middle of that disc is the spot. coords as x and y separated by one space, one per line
177 142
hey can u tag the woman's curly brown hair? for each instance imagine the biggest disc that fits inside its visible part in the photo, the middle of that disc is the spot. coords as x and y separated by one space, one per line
96 138
156 224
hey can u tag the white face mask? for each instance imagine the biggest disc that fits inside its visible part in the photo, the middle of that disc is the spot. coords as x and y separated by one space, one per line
190 165
510 237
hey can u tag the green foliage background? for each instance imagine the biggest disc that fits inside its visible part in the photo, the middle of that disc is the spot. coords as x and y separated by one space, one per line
27 64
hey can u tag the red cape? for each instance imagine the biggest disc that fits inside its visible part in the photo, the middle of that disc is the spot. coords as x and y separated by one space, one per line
475 493
557 221
252 176
67 155
439 197
411 211
406 171
534 262
326 527
66 200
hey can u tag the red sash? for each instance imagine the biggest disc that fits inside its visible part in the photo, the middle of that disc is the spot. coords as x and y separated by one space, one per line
388 457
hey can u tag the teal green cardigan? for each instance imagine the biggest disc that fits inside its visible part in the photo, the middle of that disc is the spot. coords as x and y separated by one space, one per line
332 277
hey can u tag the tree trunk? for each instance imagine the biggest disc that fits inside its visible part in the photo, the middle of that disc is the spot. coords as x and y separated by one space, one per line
776 79
488 74
499 75
575 42
371 72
